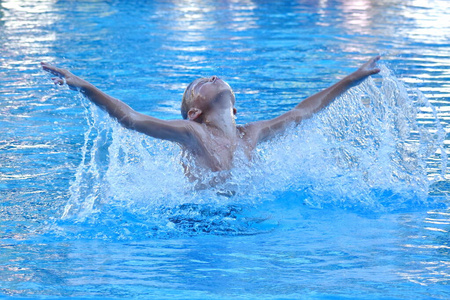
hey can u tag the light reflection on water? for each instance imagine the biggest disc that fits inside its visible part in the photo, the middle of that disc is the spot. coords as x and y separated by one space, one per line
273 56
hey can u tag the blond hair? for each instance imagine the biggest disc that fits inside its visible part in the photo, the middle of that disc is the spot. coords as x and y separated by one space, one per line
189 96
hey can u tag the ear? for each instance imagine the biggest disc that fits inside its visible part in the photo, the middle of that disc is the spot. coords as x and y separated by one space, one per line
194 113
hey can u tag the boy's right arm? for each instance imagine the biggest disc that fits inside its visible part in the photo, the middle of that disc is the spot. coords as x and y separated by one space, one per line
176 130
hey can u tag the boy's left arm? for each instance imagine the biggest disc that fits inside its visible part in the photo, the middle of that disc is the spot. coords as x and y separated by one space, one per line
264 130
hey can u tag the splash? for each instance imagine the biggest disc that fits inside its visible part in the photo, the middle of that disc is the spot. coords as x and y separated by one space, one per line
368 149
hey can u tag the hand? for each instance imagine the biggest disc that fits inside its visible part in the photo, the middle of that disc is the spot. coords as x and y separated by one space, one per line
63 76
366 70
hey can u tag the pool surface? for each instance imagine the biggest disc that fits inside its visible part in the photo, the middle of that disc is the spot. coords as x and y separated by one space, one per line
353 203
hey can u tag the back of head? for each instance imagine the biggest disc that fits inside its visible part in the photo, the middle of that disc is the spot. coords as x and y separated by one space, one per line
189 96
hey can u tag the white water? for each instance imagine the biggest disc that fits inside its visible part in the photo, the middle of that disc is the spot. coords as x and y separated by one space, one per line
366 151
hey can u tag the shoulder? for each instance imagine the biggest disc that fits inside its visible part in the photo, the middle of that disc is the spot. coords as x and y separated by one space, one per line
189 128
194 133
250 132
185 132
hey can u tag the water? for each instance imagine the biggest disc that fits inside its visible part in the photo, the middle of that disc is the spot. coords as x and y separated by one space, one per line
352 203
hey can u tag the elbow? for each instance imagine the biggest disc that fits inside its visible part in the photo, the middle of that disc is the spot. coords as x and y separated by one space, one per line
299 114
126 120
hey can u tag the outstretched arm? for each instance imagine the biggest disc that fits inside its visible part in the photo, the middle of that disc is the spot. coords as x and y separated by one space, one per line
264 130
176 130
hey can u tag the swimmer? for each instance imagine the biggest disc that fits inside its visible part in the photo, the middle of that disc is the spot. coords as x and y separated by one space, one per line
208 131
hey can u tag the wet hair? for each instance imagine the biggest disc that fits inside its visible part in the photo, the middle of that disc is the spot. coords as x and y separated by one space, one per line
189 97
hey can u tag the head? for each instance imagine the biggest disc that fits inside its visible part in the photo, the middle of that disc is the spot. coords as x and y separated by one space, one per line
204 94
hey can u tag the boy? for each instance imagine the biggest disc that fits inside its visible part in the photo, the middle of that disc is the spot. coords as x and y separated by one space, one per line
208 131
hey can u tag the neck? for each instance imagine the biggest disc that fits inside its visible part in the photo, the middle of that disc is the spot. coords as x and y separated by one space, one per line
222 122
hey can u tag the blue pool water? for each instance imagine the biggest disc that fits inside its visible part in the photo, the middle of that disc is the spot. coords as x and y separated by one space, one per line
351 204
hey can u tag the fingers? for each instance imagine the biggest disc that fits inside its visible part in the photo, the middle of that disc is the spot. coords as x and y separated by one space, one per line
374 60
375 71
58 80
373 63
52 69
47 67
370 65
